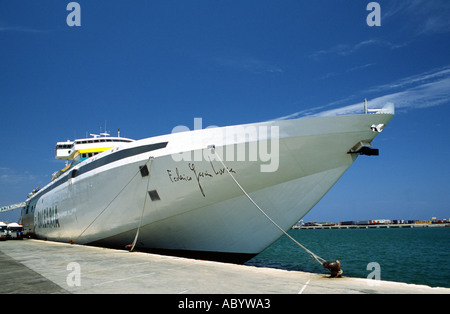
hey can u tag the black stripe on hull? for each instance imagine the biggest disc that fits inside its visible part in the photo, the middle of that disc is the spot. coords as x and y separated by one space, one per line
121 154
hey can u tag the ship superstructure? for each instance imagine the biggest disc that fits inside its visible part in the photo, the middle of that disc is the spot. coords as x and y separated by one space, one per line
79 150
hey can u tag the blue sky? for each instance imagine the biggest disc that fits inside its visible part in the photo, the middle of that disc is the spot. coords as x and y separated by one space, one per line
148 66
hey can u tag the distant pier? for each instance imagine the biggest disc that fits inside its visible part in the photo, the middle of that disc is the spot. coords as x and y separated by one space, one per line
374 226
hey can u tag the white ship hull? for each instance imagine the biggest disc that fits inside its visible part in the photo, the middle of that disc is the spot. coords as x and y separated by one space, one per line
195 206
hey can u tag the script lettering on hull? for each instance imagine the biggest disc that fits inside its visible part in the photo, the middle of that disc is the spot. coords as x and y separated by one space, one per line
197 175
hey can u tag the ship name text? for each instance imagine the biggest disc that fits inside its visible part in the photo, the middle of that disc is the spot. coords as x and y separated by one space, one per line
47 218
197 175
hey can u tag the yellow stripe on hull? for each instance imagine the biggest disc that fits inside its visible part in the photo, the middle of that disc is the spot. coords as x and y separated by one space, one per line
94 150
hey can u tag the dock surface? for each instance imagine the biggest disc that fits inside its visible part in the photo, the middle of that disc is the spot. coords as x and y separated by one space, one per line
33 266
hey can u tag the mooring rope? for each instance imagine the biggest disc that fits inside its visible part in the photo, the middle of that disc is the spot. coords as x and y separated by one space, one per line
317 258
109 204
143 207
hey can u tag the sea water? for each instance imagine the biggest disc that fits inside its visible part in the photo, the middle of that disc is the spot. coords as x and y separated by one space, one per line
410 255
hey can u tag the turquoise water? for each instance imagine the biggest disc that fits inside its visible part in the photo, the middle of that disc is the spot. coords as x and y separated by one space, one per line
411 255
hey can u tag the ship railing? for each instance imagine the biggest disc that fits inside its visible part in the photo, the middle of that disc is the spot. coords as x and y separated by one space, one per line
388 108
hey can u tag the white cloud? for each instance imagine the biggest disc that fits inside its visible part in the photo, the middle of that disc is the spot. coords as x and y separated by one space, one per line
360 67
10 176
247 64
411 81
419 17
347 50
416 18
20 29
426 90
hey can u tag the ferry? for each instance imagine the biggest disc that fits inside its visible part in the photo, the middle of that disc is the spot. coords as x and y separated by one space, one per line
193 193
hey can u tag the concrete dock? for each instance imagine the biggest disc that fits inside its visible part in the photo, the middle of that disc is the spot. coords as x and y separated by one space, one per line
33 266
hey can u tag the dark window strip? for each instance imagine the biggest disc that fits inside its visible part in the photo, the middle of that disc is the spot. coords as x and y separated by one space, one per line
121 154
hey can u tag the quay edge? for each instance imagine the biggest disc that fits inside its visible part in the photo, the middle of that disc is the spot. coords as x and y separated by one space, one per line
50 265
